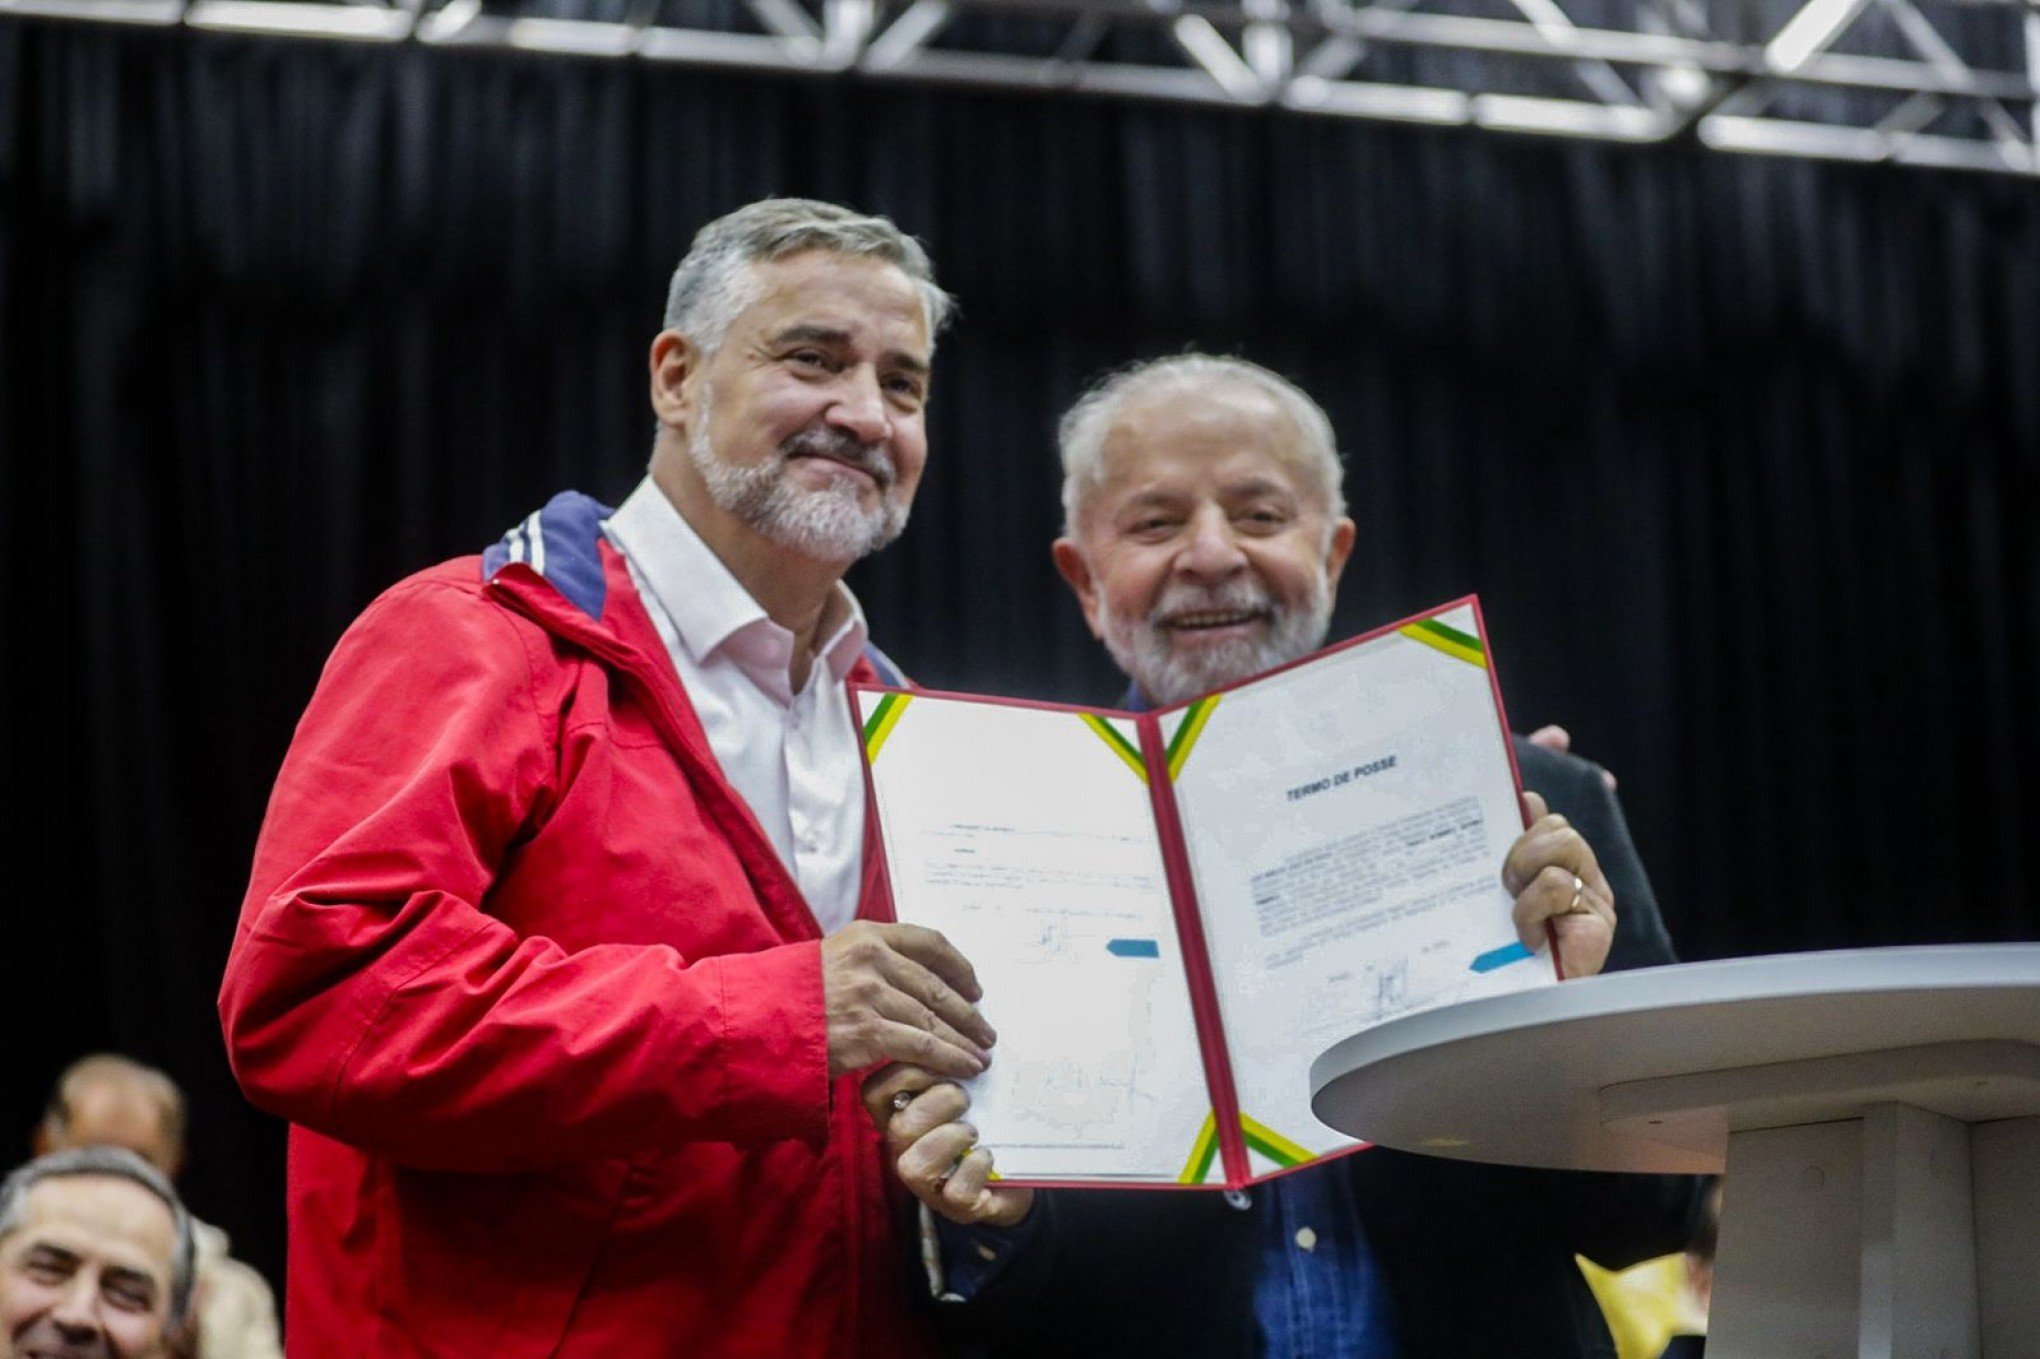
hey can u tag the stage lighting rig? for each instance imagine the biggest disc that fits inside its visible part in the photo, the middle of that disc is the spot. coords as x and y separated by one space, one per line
1952 83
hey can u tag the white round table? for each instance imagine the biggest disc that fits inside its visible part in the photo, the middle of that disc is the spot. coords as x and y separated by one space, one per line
1877 1112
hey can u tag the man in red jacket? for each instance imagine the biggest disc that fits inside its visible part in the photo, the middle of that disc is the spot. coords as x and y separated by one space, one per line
555 952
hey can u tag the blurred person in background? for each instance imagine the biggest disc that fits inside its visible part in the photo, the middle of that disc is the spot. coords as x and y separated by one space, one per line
95 1258
1205 536
110 1101
1658 1309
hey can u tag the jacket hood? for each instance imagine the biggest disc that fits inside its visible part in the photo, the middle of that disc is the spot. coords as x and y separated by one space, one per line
562 544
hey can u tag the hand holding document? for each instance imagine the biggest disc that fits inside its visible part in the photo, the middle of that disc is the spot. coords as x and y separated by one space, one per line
1172 913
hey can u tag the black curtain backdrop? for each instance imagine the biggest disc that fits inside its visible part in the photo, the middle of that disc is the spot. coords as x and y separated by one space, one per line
1740 454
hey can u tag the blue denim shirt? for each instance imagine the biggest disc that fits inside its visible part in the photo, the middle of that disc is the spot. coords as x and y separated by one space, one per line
1319 1294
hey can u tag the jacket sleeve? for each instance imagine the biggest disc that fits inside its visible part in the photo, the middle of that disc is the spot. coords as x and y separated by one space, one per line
1575 789
371 998
1118 1272
1613 1220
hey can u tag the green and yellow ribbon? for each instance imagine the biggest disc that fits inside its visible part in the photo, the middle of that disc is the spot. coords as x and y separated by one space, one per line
1461 646
1187 732
1259 1136
880 724
1202 1152
1273 1145
1121 747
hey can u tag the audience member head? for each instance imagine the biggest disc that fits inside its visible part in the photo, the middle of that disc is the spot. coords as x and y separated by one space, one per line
111 1101
1205 526
96 1257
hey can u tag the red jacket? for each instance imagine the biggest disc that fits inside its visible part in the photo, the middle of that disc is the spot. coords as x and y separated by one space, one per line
542 1004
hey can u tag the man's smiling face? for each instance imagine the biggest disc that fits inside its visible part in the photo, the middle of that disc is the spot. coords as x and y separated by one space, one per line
1206 552
808 420
85 1273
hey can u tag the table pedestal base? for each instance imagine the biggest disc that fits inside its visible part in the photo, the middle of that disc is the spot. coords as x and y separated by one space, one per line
1903 1234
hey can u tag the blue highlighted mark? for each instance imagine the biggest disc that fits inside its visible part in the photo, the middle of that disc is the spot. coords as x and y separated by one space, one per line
1134 948
1501 957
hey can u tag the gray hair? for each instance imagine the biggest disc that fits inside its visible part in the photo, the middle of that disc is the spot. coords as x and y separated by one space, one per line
119 1163
1085 428
714 281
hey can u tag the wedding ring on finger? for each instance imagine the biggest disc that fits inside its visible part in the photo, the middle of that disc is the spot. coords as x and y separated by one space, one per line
1578 906
901 1099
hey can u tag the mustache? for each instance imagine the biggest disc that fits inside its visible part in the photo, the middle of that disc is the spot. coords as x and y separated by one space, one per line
823 441
1238 596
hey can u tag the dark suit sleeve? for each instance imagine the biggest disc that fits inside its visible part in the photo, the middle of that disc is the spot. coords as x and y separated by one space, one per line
1112 1273
1614 1220
1574 789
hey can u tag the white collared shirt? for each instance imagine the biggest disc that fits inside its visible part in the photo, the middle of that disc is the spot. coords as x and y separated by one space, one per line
792 756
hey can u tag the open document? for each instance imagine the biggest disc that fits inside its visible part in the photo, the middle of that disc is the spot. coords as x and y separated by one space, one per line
1172 913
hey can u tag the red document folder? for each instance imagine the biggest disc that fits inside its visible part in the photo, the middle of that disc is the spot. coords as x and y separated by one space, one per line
948 798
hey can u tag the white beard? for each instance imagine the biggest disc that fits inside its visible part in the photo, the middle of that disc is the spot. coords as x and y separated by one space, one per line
827 523
1145 649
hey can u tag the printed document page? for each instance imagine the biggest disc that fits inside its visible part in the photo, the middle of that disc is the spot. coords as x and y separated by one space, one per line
1346 823
1027 837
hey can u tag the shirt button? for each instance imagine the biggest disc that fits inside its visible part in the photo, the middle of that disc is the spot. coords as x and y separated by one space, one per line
1306 1238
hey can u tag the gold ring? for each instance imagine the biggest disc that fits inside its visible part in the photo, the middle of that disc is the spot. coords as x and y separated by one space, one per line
1579 889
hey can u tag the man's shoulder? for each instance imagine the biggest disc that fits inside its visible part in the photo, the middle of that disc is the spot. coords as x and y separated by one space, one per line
457 576
475 584
447 619
1554 774
557 553
450 594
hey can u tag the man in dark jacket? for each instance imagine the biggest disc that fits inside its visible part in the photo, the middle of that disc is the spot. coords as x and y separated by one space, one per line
1205 536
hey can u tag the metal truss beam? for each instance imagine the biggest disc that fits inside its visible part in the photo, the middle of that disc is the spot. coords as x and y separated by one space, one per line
1868 80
